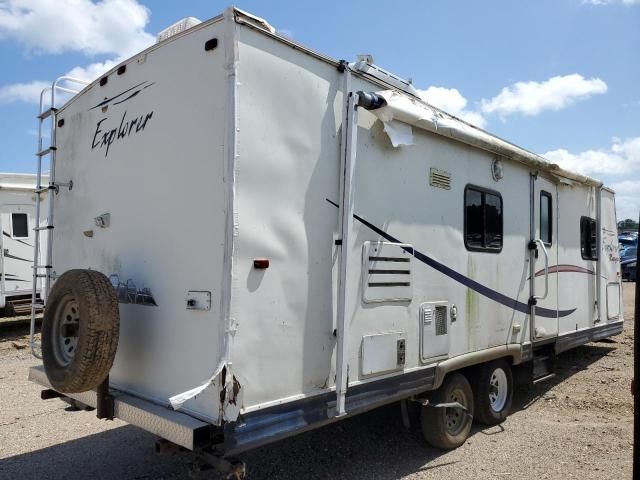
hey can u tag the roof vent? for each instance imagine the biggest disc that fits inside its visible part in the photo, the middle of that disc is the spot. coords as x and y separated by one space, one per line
178 27
365 65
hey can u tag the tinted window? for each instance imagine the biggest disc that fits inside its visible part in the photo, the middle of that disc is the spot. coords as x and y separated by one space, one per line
588 238
474 222
492 221
546 218
483 220
20 225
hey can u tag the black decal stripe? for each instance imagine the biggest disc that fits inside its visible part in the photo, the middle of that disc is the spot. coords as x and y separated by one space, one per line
128 98
13 279
466 281
107 100
16 239
8 255
133 94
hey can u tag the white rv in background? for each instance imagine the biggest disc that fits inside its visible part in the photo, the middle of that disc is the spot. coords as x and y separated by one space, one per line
17 220
261 240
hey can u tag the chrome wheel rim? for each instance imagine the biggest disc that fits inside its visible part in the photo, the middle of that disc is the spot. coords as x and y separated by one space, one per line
456 417
498 389
66 328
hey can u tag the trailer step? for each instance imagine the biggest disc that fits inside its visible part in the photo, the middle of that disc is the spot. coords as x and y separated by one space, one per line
544 366
23 308
543 378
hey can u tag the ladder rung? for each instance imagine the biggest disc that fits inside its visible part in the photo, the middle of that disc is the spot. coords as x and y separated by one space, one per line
41 275
44 189
47 113
41 266
48 227
46 151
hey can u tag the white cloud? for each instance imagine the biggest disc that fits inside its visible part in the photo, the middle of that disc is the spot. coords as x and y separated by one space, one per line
451 101
30 92
623 157
93 70
628 3
84 26
103 27
23 92
627 199
532 98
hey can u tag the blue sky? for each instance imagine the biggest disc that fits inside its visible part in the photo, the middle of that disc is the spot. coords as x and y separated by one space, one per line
558 77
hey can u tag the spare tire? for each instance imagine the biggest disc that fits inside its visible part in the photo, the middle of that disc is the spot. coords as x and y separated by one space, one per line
80 331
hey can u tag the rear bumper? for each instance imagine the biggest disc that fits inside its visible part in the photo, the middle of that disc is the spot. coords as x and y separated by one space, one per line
179 428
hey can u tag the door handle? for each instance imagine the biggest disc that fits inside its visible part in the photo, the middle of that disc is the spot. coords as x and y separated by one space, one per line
546 270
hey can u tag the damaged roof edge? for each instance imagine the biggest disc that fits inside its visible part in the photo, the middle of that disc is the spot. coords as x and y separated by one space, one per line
415 112
442 122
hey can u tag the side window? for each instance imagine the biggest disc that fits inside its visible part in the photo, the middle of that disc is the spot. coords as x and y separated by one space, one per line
588 238
546 218
19 225
482 220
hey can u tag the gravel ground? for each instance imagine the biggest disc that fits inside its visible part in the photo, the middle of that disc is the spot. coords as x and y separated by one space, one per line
577 425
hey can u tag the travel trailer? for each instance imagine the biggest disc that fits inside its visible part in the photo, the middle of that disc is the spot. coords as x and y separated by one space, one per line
261 240
17 218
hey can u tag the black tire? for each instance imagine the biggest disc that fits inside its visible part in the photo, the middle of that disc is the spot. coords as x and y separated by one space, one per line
448 428
490 409
80 331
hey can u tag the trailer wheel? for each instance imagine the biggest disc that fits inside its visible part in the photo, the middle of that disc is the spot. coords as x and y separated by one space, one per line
448 427
493 392
80 331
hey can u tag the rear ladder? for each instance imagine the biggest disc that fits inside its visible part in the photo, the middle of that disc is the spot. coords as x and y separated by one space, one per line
44 271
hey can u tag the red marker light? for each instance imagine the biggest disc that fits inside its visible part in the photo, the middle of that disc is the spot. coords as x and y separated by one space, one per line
261 263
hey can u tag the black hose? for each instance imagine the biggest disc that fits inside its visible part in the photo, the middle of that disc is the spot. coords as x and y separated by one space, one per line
370 100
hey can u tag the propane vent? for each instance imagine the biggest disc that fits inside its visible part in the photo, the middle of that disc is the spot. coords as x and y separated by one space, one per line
441 320
440 179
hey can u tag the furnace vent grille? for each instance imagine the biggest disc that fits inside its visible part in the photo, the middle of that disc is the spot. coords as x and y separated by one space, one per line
440 179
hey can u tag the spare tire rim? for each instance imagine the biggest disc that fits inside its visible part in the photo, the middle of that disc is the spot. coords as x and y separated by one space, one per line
456 417
498 389
66 329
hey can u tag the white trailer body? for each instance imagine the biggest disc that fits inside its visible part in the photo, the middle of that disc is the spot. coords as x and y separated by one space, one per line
226 149
17 220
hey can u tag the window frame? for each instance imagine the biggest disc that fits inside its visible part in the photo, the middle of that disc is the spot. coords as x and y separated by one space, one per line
591 222
13 235
544 193
483 191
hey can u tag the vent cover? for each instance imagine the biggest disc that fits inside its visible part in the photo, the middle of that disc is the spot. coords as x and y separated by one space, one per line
386 272
440 179
441 321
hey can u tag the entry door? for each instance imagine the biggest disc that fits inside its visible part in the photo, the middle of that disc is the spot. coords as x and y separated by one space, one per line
17 248
544 284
